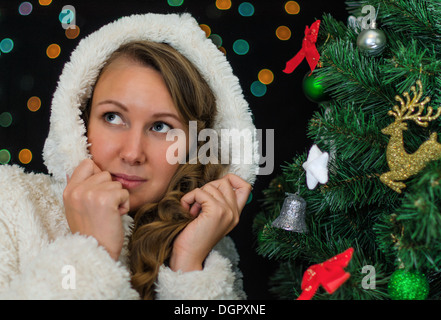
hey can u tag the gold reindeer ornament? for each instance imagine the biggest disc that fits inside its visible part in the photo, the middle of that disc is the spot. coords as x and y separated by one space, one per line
401 164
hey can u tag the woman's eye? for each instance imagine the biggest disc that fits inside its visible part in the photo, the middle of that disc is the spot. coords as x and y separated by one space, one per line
113 118
161 127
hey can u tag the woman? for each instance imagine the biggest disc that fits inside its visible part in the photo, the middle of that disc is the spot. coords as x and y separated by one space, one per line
106 156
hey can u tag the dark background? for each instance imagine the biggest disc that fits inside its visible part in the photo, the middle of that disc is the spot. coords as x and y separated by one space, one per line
27 71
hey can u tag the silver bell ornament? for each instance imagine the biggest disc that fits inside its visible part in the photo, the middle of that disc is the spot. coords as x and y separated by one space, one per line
371 41
292 215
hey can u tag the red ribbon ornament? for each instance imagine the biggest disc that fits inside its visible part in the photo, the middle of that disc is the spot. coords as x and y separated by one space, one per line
329 274
308 50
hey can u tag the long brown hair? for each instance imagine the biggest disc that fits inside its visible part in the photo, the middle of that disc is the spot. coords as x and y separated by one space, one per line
156 225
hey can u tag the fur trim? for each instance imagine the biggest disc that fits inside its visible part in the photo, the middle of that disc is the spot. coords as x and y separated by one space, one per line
215 282
66 145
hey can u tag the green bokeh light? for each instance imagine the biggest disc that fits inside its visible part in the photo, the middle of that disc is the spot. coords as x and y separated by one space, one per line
175 3
217 39
5 156
258 89
241 47
5 119
246 9
6 45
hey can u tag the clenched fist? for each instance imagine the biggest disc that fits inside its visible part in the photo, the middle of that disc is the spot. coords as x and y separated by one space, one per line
94 205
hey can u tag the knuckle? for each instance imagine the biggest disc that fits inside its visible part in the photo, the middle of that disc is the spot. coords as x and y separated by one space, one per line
106 175
236 220
72 195
101 198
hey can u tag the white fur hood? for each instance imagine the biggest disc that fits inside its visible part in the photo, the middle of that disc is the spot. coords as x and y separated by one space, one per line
66 145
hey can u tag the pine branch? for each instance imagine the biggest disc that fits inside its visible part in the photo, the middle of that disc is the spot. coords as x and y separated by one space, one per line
348 130
344 64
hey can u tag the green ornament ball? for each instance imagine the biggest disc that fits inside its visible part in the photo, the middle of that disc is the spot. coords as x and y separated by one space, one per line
408 285
314 89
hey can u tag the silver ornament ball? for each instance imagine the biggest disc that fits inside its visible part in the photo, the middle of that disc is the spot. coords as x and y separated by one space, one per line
371 41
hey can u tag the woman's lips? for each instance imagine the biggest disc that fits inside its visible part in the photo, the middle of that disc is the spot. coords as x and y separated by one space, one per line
127 181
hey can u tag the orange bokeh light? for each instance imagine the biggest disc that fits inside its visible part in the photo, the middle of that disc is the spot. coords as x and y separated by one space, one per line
44 2
25 156
206 29
72 33
53 51
34 103
283 33
223 4
292 7
266 76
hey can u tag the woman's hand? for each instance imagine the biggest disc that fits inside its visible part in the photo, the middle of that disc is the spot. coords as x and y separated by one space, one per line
94 205
217 207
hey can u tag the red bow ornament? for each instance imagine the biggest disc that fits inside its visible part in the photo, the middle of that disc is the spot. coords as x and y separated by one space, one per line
308 50
329 274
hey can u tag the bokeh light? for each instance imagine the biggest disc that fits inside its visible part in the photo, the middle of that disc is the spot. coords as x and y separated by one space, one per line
6 45
206 29
25 8
34 104
266 76
258 89
175 3
53 51
283 33
5 119
292 7
25 156
44 2
72 32
5 156
246 9
217 39
241 47
223 4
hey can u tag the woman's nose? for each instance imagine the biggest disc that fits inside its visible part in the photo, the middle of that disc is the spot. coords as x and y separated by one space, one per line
133 148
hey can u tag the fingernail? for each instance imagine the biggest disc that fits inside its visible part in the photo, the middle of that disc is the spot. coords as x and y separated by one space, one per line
250 198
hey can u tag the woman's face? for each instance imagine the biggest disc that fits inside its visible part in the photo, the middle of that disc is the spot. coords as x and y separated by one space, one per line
131 113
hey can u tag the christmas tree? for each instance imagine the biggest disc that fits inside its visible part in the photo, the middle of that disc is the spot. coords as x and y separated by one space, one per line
358 216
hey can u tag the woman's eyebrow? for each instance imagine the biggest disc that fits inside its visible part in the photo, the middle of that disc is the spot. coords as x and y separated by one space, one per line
116 103
155 115
166 114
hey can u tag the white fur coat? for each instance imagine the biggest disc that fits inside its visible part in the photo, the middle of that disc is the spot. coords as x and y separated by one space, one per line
39 257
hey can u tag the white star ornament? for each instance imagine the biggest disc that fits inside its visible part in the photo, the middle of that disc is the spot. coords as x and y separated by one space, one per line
316 167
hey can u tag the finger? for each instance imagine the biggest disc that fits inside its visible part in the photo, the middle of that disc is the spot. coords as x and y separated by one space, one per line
222 190
101 177
195 209
85 169
217 192
195 200
241 188
124 202
96 169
